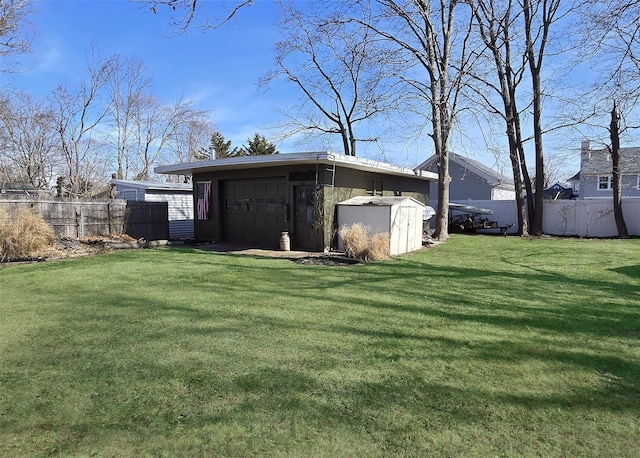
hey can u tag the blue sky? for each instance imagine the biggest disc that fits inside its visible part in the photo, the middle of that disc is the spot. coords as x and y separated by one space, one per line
218 69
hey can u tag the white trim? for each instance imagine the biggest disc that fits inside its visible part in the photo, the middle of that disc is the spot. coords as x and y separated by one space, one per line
274 160
609 183
153 185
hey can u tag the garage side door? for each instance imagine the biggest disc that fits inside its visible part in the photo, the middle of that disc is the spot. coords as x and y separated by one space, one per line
255 211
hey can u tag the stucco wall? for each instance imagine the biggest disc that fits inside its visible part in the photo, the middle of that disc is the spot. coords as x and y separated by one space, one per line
347 183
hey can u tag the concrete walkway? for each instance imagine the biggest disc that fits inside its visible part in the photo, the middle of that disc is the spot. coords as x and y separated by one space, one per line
251 251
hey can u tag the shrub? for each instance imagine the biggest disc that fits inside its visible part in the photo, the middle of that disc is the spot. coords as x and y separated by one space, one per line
379 246
23 234
358 245
355 241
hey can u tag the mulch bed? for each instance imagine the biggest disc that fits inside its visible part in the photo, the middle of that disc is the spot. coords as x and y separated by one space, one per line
336 260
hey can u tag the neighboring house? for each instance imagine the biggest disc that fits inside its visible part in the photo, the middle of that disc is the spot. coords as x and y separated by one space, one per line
471 180
596 172
179 197
24 189
574 181
251 200
557 192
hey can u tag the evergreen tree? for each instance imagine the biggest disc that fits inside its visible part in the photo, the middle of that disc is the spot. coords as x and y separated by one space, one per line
258 146
222 148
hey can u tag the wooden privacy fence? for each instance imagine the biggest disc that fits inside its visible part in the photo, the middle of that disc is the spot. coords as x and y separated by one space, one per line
81 218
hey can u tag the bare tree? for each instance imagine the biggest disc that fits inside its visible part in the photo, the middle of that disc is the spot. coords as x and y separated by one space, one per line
539 18
126 84
612 43
185 12
14 37
156 126
193 138
339 69
27 140
77 114
517 37
432 42
614 133
495 19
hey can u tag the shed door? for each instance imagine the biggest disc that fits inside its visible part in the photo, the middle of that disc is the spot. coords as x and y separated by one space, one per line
255 211
305 218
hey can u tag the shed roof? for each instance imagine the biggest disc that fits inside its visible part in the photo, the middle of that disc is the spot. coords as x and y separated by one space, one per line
154 185
307 158
378 201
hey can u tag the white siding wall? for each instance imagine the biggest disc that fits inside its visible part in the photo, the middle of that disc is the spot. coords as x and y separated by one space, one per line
180 212
502 194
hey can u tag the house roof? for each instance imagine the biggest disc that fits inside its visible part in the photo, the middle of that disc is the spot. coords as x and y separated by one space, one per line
492 177
557 191
599 161
576 177
307 158
154 185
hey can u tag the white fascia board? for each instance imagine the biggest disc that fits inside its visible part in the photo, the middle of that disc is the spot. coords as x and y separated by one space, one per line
274 160
151 185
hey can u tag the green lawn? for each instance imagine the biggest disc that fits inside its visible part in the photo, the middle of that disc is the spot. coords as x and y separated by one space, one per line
483 346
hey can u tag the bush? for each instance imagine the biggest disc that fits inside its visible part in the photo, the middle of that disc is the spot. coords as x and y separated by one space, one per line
23 234
358 245
379 246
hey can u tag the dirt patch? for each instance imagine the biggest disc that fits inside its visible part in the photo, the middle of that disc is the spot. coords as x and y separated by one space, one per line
326 261
66 248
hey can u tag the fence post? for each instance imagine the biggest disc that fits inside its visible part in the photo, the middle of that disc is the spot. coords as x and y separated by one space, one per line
81 230
109 217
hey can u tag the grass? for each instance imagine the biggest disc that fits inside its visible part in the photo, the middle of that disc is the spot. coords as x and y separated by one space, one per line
483 346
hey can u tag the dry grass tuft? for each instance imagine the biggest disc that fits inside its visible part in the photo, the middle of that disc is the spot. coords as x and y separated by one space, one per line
355 240
379 246
23 235
358 245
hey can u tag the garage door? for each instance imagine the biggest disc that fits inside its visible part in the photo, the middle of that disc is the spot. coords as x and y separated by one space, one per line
255 211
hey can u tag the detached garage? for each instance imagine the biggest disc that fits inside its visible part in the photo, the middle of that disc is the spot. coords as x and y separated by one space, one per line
400 217
251 200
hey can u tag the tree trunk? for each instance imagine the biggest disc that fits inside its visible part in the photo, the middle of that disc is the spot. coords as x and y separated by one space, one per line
614 132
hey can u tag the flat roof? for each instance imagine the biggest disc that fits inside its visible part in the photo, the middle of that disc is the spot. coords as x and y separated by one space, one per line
284 159
154 185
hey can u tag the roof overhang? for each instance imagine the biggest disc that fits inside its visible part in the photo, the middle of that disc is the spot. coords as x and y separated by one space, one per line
154 185
287 159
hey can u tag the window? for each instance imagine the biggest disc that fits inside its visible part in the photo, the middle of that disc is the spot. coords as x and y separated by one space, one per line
638 182
604 182
374 187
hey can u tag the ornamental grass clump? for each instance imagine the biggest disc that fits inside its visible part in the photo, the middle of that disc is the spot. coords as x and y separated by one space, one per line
379 246
358 244
23 235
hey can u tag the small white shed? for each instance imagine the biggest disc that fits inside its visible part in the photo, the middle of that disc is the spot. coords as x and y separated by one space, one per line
179 197
400 217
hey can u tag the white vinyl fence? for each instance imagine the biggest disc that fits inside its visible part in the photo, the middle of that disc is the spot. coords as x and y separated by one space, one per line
580 217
